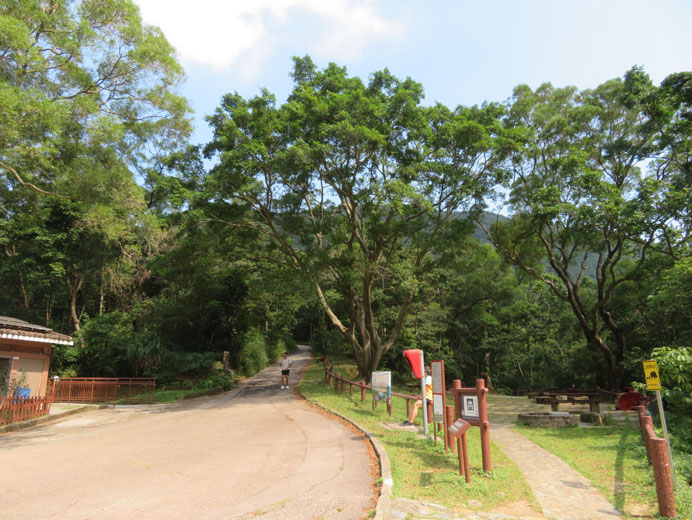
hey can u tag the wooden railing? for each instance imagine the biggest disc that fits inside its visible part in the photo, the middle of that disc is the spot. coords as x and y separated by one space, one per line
104 390
657 453
452 413
339 382
14 410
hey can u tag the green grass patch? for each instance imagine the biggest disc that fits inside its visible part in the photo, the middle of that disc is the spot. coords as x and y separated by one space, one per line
614 459
421 469
170 396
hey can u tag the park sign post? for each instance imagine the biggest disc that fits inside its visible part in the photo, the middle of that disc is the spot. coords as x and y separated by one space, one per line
439 399
653 382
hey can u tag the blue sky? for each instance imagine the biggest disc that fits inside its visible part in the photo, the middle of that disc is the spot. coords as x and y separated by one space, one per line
462 52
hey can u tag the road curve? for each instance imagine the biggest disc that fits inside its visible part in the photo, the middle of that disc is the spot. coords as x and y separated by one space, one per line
258 451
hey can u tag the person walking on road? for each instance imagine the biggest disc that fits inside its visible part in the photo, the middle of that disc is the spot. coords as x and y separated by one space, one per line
285 363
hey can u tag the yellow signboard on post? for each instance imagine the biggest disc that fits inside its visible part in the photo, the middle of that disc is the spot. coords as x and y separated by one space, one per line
653 379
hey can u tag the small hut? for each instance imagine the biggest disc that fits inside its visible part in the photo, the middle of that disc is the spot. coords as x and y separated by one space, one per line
26 349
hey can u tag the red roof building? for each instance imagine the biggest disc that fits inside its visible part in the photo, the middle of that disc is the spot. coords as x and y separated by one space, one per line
26 349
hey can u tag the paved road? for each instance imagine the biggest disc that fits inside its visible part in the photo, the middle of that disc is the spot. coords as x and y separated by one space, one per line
255 452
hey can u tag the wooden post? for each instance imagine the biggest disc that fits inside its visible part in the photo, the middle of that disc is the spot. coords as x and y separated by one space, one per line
456 385
664 481
362 390
463 446
641 412
481 391
449 415
647 430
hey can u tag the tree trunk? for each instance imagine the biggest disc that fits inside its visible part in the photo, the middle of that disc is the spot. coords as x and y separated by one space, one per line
73 290
102 287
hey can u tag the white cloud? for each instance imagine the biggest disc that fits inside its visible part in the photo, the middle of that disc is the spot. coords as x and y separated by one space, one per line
243 33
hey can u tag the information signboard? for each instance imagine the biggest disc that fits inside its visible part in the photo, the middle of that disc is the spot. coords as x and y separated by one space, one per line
469 406
438 387
382 385
653 379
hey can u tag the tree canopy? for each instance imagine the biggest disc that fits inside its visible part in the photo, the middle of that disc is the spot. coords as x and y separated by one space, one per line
359 185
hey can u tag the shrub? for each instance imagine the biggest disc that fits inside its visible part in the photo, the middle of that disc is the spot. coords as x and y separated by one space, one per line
218 378
253 356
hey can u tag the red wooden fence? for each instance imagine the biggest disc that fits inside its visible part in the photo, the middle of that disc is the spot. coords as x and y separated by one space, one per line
104 390
657 453
13 410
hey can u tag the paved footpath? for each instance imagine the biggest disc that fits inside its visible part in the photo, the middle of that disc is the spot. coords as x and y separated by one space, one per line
560 491
255 452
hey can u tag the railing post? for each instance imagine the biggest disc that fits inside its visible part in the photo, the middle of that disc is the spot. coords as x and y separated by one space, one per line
664 481
456 385
641 412
449 410
647 430
481 391
362 390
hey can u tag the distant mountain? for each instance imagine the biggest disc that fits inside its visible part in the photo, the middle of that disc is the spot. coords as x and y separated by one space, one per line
488 219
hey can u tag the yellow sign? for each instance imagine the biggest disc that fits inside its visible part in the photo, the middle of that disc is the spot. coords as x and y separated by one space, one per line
653 380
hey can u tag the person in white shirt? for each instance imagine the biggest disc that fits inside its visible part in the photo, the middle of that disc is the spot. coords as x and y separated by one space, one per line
285 363
419 403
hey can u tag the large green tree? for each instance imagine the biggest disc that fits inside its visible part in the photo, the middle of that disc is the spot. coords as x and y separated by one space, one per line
584 201
87 104
359 185
81 71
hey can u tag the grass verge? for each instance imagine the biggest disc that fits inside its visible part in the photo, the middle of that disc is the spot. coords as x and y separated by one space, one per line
421 469
614 459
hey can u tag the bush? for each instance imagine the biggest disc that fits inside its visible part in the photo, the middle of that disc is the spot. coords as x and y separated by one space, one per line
253 355
275 350
218 378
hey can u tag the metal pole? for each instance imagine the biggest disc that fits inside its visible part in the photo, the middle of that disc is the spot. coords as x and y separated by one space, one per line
424 404
665 434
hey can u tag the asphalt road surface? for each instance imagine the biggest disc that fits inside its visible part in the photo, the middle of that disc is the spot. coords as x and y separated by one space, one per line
257 452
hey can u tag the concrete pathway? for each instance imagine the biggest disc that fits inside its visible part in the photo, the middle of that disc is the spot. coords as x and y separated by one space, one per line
255 452
560 490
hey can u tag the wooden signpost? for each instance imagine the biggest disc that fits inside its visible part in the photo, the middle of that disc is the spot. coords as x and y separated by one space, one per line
653 382
458 429
439 399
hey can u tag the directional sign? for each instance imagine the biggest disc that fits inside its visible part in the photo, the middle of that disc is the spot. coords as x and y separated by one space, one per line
458 428
653 380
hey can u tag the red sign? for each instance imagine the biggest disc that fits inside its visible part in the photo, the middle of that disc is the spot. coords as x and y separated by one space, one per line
413 357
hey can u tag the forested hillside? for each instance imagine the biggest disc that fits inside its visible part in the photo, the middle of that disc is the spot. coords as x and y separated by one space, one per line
351 216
